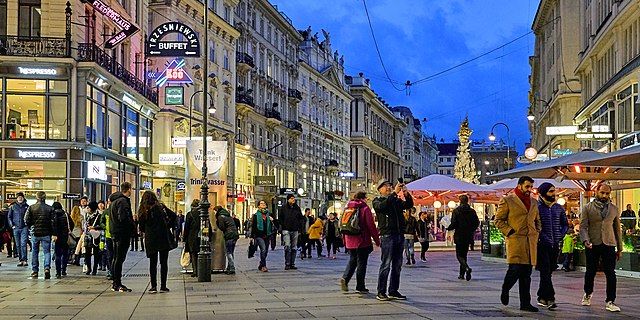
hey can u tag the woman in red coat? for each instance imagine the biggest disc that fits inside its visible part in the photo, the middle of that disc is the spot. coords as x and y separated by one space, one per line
360 245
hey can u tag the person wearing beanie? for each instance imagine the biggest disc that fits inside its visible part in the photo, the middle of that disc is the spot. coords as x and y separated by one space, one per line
17 211
554 226
291 219
225 222
389 210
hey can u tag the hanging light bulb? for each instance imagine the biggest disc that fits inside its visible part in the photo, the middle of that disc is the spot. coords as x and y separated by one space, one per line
437 204
562 201
451 204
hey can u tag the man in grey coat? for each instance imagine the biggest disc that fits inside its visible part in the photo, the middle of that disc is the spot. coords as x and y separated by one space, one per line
601 235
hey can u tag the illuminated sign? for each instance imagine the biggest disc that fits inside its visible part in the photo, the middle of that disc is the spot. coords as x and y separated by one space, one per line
173 96
530 153
347 174
561 131
174 74
630 140
128 100
562 153
594 136
36 154
146 185
127 28
38 71
189 46
182 142
171 159
97 170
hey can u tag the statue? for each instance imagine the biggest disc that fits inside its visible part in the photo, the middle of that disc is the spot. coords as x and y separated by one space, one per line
342 60
308 35
464 168
327 38
335 56
315 37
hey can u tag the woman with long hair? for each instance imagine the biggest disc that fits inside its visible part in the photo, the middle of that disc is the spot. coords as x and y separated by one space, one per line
424 234
410 231
191 235
92 238
76 233
156 222
261 229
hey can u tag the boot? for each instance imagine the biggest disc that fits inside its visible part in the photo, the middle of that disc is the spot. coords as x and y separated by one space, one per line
413 259
408 261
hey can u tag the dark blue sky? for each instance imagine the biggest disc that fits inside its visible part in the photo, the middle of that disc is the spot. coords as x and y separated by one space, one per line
421 38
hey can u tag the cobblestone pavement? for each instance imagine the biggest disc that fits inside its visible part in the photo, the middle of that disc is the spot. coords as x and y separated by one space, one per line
313 291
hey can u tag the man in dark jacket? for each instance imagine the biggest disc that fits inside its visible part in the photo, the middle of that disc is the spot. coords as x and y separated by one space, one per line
122 228
307 221
465 222
554 227
290 220
40 219
389 211
230 230
20 229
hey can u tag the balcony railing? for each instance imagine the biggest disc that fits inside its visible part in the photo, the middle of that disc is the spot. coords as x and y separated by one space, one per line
35 47
295 94
330 163
273 114
294 125
245 98
245 58
88 52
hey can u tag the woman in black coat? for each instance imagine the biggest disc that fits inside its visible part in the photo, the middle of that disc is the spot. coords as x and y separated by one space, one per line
63 226
156 221
191 232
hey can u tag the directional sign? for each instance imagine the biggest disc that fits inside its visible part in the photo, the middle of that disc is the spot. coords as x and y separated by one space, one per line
127 28
174 74
186 46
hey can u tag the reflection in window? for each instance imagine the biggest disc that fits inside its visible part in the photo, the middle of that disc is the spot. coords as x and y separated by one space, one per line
115 134
132 134
25 117
29 18
58 117
98 125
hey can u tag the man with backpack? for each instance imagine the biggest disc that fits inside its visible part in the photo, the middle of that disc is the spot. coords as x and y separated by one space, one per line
290 220
389 211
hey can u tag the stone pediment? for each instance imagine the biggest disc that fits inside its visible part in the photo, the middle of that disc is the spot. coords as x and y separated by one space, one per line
330 74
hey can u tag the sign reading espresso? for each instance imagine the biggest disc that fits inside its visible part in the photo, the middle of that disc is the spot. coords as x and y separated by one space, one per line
28 154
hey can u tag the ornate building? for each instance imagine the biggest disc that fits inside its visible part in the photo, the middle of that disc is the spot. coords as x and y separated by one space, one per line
267 128
324 146
554 94
413 146
376 135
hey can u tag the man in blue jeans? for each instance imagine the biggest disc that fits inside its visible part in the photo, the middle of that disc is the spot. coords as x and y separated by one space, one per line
389 211
20 230
290 222
41 219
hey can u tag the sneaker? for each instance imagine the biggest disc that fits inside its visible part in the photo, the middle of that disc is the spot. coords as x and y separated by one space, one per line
382 297
153 290
468 277
586 299
64 273
58 276
164 289
34 275
25 264
552 305
423 259
543 303
344 286
293 268
611 306
264 269
529 308
94 273
461 277
47 274
287 267
413 260
362 291
334 257
20 264
122 288
397 296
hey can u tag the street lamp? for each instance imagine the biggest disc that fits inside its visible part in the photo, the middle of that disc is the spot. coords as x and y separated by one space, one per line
530 116
247 145
492 137
212 108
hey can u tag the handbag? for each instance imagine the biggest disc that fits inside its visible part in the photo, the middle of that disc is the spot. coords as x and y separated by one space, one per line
71 241
185 258
431 238
170 234
252 249
95 234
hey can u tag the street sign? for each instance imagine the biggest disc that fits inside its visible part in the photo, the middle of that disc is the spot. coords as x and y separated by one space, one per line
71 196
11 196
127 28
174 96
530 153
347 174
171 159
485 228
181 185
561 130
241 197
287 191
186 44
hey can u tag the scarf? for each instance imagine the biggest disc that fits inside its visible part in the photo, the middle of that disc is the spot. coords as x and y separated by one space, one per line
525 199
602 206
261 217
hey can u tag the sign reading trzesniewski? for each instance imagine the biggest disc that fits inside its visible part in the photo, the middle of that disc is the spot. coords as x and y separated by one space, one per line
186 46
127 28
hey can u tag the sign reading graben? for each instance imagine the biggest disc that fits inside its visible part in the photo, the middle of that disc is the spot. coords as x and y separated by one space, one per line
186 46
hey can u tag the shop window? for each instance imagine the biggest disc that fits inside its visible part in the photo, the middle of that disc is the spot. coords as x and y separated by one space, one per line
36 169
115 133
58 110
132 140
26 85
29 18
56 86
25 116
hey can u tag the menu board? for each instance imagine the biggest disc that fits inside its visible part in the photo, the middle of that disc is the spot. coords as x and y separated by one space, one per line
485 229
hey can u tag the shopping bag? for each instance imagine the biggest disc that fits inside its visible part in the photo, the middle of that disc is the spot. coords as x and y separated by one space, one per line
185 258
252 249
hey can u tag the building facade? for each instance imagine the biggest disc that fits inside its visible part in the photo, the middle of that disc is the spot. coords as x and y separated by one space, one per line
324 145
489 158
78 117
414 165
183 121
555 88
430 156
376 135
447 154
267 128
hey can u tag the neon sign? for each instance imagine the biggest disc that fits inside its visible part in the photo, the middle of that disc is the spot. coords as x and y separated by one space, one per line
174 74
127 28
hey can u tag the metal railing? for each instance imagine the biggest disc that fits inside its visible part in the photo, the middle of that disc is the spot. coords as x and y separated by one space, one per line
295 93
245 98
273 114
245 58
295 125
88 52
35 46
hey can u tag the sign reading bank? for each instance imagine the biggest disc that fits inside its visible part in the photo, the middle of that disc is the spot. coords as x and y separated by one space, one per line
186 44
